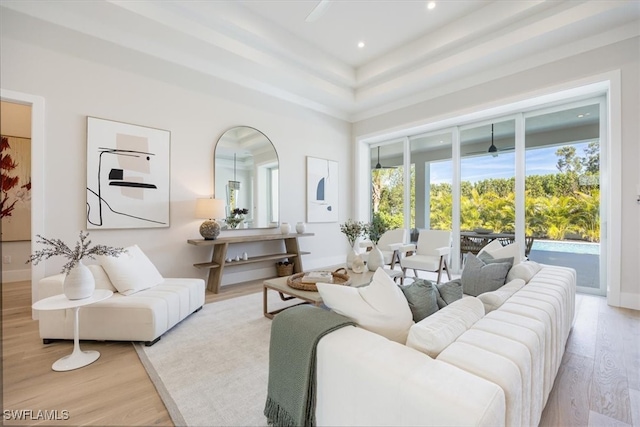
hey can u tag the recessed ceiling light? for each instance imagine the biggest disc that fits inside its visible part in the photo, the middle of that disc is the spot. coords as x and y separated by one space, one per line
431 5
583 115
360 45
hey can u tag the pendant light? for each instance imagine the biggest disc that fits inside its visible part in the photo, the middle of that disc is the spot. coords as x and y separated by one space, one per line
493 150
234 185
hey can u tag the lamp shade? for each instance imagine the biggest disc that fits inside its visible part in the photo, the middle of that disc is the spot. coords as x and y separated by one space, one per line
210 208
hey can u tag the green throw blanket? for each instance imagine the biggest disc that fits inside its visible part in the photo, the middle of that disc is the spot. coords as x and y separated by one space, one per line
295 333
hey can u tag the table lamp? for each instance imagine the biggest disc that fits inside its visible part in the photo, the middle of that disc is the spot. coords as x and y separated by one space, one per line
210 209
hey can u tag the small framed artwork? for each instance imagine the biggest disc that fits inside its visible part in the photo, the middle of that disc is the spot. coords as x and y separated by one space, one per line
322 190
127 175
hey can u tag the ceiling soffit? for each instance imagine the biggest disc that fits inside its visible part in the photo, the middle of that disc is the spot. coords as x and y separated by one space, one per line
226 40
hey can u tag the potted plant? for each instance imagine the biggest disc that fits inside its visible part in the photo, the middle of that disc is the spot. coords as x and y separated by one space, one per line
236 217
79 282
352 229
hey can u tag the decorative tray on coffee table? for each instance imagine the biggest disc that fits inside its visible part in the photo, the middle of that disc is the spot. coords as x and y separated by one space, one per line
338 277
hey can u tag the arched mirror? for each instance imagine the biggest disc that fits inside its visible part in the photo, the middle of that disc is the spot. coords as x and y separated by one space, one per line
246 176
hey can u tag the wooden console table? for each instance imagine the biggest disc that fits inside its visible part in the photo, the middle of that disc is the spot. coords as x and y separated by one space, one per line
221 244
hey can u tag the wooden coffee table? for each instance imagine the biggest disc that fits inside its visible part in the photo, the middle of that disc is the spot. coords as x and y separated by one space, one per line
310 297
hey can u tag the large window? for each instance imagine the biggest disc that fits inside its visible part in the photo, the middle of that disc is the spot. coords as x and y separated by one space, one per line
531 177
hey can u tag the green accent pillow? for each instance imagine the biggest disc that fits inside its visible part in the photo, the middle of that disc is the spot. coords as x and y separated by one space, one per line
422 297
479 277
449 292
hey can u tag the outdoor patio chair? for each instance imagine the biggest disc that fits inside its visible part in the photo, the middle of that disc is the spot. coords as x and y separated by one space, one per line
432 252
392 244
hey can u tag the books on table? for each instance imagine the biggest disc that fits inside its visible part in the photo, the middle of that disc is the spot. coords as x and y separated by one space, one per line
317 277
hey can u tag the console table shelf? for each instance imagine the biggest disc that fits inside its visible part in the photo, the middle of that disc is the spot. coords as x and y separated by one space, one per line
220 246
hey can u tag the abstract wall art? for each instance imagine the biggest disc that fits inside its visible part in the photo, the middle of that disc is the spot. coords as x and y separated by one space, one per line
127 175
322 190
15 190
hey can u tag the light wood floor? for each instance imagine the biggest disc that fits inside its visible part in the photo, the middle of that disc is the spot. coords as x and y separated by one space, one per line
598 383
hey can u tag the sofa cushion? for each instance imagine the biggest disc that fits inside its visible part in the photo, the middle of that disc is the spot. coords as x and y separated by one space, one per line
131 271
422 297
379 307
449 292
496 250
525 271
479 277
101 278
495 299
436 332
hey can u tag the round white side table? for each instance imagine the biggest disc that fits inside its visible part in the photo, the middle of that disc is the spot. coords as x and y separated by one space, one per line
78 358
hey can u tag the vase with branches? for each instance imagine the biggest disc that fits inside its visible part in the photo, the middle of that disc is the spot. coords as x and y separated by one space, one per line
352 229
79 282
374 230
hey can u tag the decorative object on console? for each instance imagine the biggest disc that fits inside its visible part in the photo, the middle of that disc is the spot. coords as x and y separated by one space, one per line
352 229
322 190
79 282
284 268
210 210
236 217
301 227
127 175
285 228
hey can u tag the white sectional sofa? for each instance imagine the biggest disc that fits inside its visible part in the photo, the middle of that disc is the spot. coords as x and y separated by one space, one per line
489 360
140 316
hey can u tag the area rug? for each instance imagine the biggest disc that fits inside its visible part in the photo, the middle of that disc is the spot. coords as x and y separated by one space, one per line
212 368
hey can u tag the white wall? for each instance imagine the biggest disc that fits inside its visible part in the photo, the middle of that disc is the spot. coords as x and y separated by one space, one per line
74 88
623 56
15 120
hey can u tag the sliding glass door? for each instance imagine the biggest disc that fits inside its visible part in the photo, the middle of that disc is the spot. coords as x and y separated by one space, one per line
531 177
562 190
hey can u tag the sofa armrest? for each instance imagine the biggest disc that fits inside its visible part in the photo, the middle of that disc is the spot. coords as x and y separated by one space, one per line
50 286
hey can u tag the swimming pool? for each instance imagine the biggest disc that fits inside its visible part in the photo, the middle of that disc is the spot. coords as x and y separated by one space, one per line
566 246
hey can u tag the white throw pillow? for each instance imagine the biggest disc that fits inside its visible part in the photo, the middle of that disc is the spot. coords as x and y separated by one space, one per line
131 271
101 278
433 334
525 271
496 250
380 307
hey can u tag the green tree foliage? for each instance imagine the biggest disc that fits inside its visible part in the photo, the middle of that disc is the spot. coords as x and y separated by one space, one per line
556 205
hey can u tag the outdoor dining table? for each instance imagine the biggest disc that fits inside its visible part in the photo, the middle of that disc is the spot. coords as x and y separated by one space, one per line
473 241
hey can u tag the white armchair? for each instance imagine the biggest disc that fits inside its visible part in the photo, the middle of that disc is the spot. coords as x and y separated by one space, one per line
392 244
432 251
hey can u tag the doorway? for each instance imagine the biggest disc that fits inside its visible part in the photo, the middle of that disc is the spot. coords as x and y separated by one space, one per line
37 173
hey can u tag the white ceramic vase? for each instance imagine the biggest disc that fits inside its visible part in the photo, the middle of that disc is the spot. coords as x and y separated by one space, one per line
301 227
79 282
351 255
376 259
285 228
358 266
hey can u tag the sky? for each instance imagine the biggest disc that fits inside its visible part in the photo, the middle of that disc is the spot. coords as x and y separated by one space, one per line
540 161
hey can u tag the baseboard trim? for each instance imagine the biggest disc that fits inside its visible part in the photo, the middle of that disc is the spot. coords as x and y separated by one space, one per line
629 300
16 275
